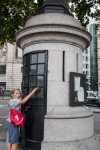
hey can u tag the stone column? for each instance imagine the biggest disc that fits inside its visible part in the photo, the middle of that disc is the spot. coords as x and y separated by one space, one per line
65 127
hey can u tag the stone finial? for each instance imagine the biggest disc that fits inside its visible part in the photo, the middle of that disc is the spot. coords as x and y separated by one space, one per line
55 6
65 3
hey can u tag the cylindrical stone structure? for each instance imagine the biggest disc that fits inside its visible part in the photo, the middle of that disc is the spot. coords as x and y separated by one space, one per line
62 36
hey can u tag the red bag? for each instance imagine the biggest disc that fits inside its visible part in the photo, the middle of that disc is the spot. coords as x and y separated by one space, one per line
16 117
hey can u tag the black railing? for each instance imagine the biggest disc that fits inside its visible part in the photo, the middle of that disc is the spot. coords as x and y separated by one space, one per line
5 93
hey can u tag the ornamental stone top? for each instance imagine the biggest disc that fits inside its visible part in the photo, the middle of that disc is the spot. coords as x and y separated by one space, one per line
54 6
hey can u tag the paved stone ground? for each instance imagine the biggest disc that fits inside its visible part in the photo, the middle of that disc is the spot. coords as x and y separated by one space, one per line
4 98
3 136
4 140
2 145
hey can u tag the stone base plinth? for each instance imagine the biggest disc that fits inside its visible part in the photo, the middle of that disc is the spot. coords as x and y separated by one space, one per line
64 123
91 143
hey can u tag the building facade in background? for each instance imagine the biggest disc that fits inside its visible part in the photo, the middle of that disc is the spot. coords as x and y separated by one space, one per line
90 58
10 67
98 39
86 62
93 57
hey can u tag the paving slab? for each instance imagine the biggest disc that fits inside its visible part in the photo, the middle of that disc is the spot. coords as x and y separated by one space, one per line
2 145
3 136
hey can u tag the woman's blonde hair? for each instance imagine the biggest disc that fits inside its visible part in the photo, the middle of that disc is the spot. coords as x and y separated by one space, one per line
12 92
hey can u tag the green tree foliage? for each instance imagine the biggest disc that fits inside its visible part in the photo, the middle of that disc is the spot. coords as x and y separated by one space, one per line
14 14
84 9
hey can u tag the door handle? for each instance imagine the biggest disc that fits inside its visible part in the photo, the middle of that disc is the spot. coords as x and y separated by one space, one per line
28 107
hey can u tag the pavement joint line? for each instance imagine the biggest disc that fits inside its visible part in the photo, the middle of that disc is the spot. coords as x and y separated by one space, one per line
7 116
3 117
3 105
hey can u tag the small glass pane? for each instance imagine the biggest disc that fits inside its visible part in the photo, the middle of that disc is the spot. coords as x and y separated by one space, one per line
26 60
2 69
33 58
24 92
41 69
40 93
41 58
25 82
32 81
33 69
25 71
40 80
31 90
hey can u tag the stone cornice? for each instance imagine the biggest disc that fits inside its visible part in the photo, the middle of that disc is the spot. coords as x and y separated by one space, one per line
52 29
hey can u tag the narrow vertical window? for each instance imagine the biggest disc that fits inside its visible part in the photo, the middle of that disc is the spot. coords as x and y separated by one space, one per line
63 71
76 62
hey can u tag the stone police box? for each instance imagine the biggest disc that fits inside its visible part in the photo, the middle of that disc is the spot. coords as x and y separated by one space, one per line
52 42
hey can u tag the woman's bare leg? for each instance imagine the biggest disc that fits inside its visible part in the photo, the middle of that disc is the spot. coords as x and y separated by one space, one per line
14 146
9 146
